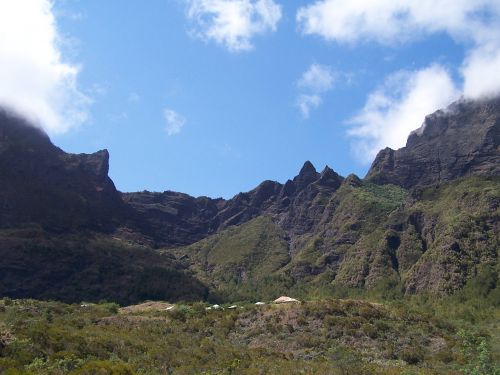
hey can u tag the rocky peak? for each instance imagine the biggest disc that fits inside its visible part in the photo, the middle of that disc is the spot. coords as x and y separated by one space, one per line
307 170
306 175
265 192
461 140
98 163
328 177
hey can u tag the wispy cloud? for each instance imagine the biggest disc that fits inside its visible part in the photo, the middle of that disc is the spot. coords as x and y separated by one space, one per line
315 81
174 121
306 103
318 78
233 23
476 24
133 97
398 107
35 79
98 89
118 117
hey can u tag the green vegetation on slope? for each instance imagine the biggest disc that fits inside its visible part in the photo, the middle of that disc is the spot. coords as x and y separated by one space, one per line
238 255
252 261
378 238
377 243
316 337
457 228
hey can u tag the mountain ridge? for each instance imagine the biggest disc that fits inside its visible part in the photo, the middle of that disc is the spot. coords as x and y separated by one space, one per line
321 230
461 140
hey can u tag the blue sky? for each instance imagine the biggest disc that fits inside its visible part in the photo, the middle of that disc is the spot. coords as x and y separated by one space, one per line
187 98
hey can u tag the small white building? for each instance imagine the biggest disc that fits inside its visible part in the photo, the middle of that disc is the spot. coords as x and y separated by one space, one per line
285 299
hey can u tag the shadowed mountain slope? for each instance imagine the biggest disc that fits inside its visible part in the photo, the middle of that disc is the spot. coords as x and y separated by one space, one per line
40 183
58 213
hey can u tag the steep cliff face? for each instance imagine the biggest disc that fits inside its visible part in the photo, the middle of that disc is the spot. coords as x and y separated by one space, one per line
461 140
58 212
39 183
174 219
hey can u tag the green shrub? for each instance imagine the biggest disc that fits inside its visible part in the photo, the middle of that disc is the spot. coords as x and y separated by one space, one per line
477 354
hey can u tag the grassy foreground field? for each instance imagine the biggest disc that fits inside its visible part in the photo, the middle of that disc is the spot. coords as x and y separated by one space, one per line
335 336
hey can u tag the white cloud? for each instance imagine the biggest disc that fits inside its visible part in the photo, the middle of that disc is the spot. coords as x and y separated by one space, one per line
308 102
398 107
474 23
390 21
481 72
318 78
387 119
315 81
175 122
35 80
233 23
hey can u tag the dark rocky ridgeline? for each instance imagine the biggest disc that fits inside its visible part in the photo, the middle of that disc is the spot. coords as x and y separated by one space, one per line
176 219
40 183
295 205
461 140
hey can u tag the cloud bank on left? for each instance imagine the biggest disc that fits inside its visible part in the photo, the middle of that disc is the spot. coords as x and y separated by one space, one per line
37 81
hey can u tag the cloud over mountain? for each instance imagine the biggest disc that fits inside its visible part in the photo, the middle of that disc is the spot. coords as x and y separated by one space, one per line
392 111
475 24
36 79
